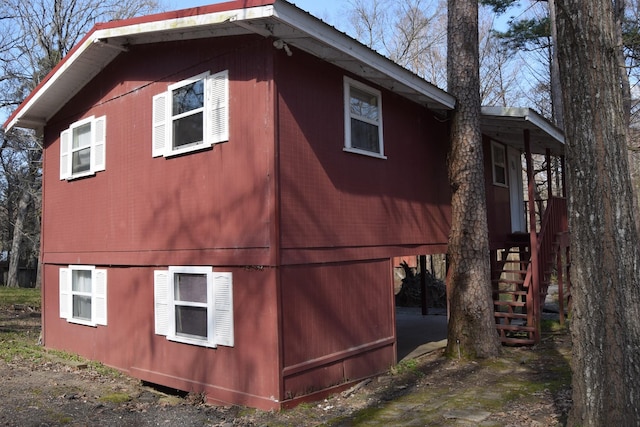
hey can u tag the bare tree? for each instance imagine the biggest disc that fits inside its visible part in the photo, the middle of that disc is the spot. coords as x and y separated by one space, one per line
413 33
605 258
471 328
20 166
409 32
34 36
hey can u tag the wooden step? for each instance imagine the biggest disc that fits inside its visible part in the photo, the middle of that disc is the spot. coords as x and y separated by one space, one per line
514 293
510 303
513 271
515 328
520 341
507 315
510 281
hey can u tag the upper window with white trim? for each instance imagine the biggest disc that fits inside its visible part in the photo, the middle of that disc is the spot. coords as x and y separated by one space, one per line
191 115
194 305
363 119
499 164
82 148
83 295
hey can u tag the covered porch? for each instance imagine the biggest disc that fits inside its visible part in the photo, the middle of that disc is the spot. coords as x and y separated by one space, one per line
534 252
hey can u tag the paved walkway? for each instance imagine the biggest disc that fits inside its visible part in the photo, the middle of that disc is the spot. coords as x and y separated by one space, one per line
418 334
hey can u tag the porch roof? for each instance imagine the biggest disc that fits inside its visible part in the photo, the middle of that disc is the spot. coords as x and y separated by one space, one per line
289 27
507 125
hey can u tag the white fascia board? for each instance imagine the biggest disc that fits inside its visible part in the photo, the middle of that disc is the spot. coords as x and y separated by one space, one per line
527 115
319 30
544 125
185 23
127 33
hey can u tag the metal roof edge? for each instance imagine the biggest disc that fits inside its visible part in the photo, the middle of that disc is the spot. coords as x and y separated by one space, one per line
185 18
318 29
528 115
114 34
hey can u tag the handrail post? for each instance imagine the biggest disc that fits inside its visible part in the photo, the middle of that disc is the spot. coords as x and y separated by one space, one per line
535 263
547 157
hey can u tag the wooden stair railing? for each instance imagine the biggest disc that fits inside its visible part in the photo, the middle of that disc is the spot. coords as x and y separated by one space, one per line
518 299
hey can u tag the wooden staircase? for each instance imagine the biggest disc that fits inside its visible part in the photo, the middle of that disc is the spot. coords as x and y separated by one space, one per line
521 277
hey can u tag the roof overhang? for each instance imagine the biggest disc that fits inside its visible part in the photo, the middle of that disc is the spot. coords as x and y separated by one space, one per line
508 125
269 18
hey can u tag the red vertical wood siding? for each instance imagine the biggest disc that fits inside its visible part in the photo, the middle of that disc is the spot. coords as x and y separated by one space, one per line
339 200
190 209
213 207
334 313
498 203
241 374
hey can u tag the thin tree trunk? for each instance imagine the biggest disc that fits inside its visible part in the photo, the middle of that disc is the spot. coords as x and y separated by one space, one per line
605 268
472 330
556 90
16 243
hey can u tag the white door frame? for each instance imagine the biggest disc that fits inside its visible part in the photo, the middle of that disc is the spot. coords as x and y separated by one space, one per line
516 190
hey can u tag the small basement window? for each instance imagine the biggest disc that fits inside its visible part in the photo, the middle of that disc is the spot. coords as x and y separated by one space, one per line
194 305
83 295
363 119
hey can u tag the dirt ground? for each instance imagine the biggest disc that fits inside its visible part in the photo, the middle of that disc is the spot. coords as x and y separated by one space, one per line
45 388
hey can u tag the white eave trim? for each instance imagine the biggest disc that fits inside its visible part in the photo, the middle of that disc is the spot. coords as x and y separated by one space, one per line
319 30
526 115
98 37
113 40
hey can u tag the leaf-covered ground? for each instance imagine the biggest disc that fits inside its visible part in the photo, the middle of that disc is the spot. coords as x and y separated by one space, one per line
525 387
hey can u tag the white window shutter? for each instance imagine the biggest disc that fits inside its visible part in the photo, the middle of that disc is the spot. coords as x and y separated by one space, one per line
98 159
217 107
223 294
160 124
161 301
99 304
66 304
65 154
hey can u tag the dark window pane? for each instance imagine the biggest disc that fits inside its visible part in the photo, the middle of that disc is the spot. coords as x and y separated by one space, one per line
364 104
81 136
188 97
188 130
190 287
82 307
500 175
81 160
81 280
191 321
364 136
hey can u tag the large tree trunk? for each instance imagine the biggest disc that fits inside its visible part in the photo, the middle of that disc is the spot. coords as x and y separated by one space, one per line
472 330
605 326
18 235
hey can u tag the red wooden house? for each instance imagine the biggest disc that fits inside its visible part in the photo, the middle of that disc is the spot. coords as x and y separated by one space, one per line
224 190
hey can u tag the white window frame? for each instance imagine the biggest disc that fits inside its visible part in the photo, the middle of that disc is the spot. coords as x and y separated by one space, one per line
97 156
348 115
219 306
499 163
98 295
215 115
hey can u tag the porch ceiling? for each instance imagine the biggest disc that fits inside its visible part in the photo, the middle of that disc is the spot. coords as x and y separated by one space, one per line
507 125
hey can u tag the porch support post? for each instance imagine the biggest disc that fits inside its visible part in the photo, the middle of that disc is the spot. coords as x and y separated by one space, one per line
564 182
533 307
547 156
423 284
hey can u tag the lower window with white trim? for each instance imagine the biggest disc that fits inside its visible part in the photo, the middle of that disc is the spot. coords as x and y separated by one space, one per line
194 305
83 295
